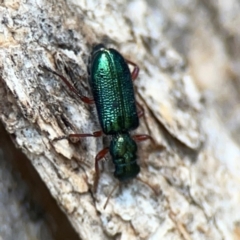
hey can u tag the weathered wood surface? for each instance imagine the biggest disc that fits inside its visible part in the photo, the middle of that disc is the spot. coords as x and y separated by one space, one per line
190 106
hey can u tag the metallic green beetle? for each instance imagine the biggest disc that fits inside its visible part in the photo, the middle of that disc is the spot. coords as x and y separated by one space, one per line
112 88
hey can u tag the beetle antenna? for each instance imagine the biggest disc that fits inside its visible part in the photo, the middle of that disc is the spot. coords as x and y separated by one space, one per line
149 185
110 194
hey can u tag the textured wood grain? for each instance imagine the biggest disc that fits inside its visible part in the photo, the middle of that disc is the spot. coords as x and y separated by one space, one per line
194 167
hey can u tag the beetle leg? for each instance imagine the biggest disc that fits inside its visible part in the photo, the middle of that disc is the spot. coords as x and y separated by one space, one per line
79 135
70 86
134 75
142 137
98 157
135 71
141 110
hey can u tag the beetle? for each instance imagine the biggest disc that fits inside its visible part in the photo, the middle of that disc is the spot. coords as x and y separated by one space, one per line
112 88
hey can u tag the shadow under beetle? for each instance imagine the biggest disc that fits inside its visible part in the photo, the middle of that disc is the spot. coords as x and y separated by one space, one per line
112 88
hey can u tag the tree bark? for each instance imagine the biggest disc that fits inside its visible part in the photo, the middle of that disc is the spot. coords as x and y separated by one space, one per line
188 187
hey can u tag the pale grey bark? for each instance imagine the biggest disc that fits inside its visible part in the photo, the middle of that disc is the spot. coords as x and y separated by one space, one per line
194 167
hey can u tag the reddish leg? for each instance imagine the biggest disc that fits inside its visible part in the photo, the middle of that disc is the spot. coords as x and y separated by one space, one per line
99 156
135 71
141 111
94 134
134 75
142 137
79 135
71 87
